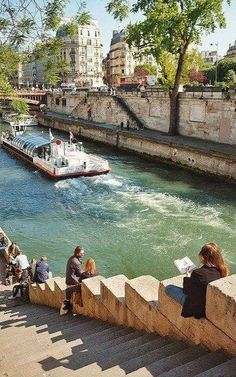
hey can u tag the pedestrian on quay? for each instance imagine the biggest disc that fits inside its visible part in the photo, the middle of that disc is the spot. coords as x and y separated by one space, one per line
74 270
121 125
128 125
89 111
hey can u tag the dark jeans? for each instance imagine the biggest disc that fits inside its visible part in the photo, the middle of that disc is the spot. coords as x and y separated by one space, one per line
71 290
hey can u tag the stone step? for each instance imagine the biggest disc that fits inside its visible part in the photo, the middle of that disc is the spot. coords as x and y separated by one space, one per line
164 350
65 354
36 339
26 341
141 297
169 361
52 319
199 365
110 335
113 298
105 359
73 366
227 369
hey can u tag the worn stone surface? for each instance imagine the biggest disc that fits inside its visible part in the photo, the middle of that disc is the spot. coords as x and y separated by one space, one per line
209 118
221 304
197 331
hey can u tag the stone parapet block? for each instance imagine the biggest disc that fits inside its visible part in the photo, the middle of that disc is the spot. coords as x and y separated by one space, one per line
113 298
196 331
60 291
141 297
221 305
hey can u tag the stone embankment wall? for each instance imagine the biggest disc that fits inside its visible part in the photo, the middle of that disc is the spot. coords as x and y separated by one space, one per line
192 158
143 304
212 117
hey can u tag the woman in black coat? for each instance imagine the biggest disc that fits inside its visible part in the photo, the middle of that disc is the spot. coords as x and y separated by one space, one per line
193 294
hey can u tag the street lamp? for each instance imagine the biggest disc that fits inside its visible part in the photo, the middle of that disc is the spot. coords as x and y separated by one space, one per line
217 56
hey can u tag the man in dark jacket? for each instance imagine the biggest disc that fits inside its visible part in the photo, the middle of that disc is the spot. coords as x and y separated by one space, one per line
74 271
74 267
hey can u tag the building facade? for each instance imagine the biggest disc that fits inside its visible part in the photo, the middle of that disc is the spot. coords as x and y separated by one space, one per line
210 56
121 60
84 54
231 52
31 74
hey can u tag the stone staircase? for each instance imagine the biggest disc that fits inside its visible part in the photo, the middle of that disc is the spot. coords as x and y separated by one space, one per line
130 111
95 342
37 342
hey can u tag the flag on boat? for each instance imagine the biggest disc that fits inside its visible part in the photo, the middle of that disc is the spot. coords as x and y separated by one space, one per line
51 137
71 136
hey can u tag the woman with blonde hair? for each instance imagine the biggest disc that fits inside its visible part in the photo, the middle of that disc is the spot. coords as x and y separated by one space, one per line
193 294
89 269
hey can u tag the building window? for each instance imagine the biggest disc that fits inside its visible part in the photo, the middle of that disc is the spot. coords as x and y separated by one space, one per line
89 42
122 71
81 31
96 34
63 101
57 101
88 33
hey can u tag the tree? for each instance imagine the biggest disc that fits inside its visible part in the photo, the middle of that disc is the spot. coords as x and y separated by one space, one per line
168 28
146 69
196 76
20 105
22 23
230 77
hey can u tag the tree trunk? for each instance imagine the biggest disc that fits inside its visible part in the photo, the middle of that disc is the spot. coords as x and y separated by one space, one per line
174 96
174 114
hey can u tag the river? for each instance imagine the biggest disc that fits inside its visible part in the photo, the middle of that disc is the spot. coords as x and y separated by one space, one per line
134 221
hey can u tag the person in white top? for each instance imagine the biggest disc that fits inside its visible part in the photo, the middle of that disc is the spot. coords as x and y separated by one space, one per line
22 266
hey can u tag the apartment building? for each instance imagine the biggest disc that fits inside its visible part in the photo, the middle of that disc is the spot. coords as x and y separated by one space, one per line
84 54
121 60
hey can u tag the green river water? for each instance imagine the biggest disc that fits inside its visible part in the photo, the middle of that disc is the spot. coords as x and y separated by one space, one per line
134 221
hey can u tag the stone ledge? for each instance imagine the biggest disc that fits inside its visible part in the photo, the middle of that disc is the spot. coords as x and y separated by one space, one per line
221 304
197 331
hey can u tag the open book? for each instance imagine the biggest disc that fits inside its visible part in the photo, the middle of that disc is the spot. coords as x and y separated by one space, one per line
184 265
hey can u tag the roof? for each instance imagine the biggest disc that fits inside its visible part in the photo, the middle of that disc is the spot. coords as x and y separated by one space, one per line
31 141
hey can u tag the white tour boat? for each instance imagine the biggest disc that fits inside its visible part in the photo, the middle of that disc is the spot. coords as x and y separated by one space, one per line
57 158
14 119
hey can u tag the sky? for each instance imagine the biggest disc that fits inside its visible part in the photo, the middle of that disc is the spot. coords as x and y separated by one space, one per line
106 23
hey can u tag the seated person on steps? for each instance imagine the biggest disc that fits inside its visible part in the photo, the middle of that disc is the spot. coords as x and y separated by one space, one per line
41 270
193 294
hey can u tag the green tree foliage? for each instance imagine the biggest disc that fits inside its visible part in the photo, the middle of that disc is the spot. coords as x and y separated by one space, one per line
55 71
9 60
22 22
230 77
146 69
20 106
169 27
224 66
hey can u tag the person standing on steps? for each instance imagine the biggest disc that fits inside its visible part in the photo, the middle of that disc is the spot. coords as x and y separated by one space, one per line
121 126
128 125
74 271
